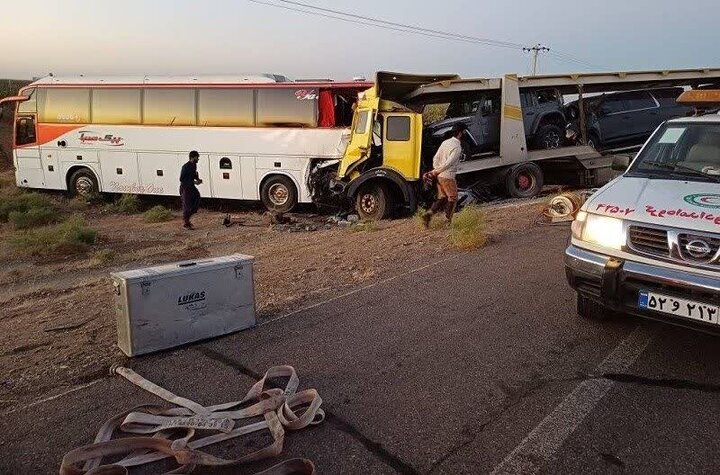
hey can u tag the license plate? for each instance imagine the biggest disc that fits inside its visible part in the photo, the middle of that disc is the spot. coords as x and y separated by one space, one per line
678 307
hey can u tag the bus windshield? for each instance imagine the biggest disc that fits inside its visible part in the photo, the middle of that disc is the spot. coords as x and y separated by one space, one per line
685 151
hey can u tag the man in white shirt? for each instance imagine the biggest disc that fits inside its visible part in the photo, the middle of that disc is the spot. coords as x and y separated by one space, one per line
445 164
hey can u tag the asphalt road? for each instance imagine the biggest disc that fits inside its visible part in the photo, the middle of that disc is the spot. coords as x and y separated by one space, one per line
475 365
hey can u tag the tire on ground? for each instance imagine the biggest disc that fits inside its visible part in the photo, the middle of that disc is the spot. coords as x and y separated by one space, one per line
550 136
524 180
279 194
591 310
83 183
373 201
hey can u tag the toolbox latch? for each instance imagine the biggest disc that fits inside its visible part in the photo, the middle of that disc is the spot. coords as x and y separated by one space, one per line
145 287
239 271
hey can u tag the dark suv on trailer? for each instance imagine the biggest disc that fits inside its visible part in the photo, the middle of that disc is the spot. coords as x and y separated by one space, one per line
626 119
543 117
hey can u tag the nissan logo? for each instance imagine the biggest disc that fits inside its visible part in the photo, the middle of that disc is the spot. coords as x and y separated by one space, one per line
698 249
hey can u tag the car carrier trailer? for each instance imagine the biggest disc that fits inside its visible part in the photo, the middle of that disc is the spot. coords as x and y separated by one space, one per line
383 163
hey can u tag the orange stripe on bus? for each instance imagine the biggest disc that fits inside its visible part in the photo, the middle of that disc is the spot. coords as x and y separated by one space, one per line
49 132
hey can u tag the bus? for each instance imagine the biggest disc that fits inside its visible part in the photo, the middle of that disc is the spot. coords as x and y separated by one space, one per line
259 137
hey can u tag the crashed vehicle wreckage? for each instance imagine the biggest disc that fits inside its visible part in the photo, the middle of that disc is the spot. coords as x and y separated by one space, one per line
389 147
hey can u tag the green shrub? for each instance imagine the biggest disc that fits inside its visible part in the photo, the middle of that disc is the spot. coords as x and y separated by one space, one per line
22 203
32 218
127 204
69 237
158 214
468 228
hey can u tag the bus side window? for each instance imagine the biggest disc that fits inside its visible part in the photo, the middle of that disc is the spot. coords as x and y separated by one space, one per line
25 131
225 164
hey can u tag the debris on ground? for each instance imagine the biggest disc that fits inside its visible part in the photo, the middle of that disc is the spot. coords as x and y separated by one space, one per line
563 207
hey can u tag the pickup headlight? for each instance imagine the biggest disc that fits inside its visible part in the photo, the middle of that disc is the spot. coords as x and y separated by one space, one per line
601 230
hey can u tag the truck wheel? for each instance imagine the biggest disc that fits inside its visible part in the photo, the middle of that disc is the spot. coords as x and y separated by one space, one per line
83 183
524 180
278 194
591 310
550 136
373 202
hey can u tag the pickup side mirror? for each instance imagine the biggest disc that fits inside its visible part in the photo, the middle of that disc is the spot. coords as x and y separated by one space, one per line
620 163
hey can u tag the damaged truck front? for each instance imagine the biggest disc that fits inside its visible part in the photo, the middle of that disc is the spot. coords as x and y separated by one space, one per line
380 170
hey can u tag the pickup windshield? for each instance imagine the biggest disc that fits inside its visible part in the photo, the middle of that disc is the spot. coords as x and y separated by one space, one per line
683 151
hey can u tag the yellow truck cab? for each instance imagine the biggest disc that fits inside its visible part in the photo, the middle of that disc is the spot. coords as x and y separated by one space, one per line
382 165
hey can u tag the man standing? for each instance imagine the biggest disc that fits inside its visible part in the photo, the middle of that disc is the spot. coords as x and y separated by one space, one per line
445 163
189 194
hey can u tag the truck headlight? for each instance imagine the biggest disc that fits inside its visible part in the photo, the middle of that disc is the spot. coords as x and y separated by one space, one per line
601 230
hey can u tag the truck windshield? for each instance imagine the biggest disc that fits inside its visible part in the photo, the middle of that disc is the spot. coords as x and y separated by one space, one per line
683 151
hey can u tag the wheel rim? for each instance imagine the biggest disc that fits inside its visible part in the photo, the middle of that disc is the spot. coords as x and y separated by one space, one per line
278 194
525 181
84 186
368 203
552 140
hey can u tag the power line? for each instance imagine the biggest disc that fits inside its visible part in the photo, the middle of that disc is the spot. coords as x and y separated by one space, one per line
490 42
356 19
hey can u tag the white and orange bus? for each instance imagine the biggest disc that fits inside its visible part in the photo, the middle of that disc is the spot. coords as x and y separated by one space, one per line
259 137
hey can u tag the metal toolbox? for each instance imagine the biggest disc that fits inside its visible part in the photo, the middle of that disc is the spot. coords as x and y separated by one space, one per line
170 305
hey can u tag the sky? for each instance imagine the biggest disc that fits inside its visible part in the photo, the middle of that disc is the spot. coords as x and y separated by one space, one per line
109 37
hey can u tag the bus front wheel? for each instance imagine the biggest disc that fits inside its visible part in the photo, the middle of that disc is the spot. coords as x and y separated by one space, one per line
83 183
279 194
373 202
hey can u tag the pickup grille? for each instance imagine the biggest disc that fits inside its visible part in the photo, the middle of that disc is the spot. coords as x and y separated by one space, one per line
713 244
649 240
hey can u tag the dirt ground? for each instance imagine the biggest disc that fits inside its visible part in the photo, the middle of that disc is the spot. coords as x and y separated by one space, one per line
57 323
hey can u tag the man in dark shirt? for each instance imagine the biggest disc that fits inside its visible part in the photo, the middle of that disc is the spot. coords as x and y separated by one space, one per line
189 194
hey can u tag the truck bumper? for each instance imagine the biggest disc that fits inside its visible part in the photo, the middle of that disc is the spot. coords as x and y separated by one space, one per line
616 283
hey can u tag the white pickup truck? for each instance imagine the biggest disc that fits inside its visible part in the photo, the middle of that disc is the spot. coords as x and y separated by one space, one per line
648 243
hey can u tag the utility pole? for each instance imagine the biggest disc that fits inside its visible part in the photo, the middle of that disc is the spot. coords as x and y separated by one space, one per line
536 51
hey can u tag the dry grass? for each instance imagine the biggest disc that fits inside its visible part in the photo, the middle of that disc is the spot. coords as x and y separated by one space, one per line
364 226
102 258
468 229
69 237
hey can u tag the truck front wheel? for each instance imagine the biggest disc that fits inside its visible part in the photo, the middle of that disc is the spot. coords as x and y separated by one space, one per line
373 202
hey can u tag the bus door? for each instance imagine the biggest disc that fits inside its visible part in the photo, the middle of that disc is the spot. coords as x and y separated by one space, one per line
225 176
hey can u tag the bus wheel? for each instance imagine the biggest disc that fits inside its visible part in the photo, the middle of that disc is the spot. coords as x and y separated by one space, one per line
83 183
524 180
279 194
373 202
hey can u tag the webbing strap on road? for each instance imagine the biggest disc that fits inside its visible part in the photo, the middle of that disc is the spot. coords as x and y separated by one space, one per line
280 409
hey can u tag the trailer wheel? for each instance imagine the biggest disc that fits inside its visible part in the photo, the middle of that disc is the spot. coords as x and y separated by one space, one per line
524 180
591 310
550 136
83 183
373 202
279 194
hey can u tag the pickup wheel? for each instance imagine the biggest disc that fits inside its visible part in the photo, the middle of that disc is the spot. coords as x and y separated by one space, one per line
550 136
524 180
373 202
591 310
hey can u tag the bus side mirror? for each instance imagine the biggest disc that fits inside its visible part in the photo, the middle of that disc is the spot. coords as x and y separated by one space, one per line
620 163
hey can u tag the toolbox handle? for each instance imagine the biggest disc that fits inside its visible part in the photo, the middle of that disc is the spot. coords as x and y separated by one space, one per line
187 264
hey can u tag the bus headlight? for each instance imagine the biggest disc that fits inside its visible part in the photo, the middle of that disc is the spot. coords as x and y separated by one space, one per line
601 230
